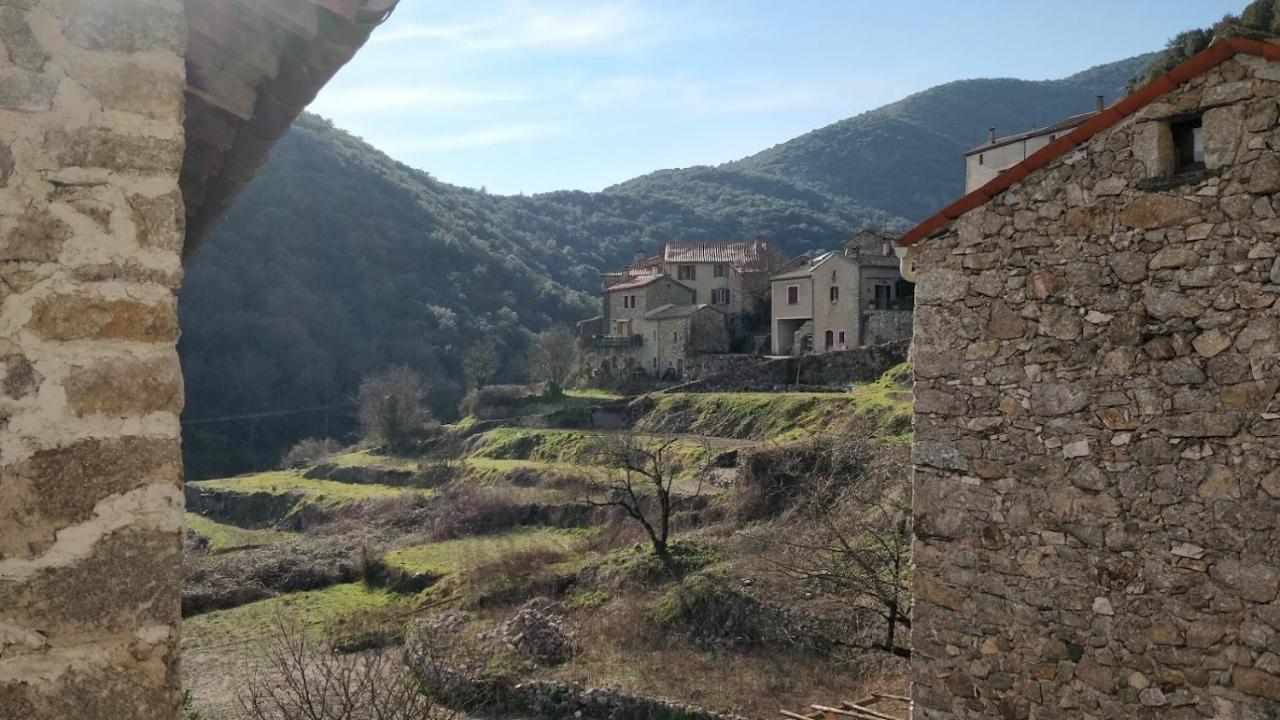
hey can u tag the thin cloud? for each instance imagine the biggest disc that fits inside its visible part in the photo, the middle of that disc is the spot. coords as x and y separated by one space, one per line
480 137
676 94
384 98
523 26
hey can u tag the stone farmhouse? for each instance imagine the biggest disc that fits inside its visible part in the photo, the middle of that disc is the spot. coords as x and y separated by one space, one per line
689 299
836 301
127 128
731 277
654 326
1097 427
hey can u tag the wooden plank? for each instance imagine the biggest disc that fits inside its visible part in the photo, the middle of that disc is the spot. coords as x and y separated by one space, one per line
794 716
866 710
833 713
899 698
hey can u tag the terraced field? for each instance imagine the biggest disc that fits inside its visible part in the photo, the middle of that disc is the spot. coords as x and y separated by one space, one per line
506 519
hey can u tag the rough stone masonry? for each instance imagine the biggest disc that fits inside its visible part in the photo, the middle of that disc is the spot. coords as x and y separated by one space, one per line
1097 482
91 144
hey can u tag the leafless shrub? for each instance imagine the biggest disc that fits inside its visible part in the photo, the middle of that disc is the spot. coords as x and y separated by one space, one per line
480 363
553 357
850 533
462 511
641 482
391 407
306 679
308 452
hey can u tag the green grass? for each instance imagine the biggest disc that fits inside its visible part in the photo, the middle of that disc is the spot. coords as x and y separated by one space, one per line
284 482
592 394
222 536
258 620
784 416
572 450
365 458
450 556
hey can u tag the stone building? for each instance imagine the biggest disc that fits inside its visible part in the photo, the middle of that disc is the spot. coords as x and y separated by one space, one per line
983 163
653 327
815 306
731 277
837 301
127 127
1097 430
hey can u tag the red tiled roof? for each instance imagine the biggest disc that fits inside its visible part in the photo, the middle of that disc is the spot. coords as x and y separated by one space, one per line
639 281
754 256
1217 53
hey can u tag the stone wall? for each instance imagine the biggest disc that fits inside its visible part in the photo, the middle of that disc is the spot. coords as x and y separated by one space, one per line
883 326
832 371
91 143
1097 433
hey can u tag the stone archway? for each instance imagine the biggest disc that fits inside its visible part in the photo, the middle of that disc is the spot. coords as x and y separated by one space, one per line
126 130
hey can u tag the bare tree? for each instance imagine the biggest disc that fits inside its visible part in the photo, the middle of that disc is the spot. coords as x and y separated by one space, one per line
641 478
553 357
390 407
851 533
306 678
480 363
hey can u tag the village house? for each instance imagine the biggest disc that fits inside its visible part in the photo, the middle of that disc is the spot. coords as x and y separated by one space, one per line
731 277
1096 419
653 328
996 155
837 301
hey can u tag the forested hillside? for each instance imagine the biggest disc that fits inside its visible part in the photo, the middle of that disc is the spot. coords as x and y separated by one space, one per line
338 261
905 157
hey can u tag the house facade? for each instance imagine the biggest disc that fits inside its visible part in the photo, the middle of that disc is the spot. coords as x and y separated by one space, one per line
983 163
731 277
1096 433
815 306
838 301
651 326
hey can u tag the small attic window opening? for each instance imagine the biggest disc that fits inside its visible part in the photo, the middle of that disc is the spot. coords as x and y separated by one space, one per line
1188 145
981 158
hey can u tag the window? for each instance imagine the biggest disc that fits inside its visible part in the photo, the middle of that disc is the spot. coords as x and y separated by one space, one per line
981 159
720 296
841 338
720 270
829 339
835 294
793 294
686 272
674 337
884 296
1188 145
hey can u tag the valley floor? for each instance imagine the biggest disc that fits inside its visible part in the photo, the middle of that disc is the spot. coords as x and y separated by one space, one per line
501 521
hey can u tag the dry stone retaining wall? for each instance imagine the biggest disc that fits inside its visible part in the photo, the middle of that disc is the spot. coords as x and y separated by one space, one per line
91 143
1097 431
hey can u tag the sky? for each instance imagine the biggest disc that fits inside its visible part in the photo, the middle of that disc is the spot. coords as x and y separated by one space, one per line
537 95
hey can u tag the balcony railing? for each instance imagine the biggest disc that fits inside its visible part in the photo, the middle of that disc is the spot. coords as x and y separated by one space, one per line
616 341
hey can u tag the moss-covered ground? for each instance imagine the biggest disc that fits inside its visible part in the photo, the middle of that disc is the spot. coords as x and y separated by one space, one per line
450 556
223 537
285 482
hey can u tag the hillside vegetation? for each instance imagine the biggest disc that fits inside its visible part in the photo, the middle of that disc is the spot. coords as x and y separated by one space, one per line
338 261
507 535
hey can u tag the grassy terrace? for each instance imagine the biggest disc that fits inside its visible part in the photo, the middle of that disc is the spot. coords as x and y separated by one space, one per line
783 416
284 482
222 536
313 608
451 556
364 458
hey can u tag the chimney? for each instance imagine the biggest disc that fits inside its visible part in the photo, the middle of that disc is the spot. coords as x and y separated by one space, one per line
1102 103
991 135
